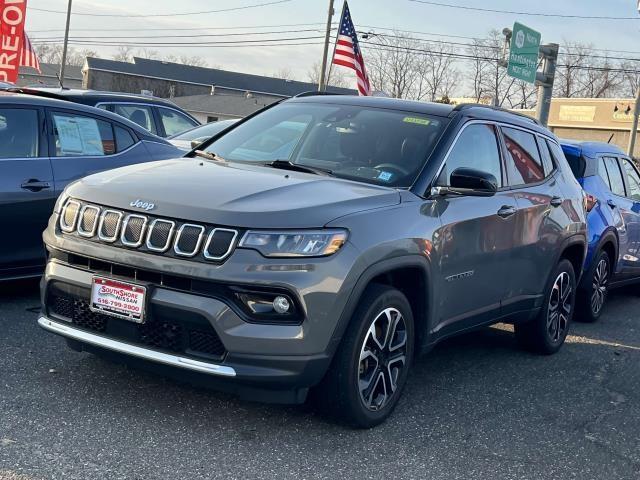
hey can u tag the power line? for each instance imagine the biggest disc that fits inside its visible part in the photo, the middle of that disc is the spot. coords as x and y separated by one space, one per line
531 14
176 14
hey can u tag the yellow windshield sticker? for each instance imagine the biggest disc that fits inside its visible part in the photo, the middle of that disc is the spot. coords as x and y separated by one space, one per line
419 121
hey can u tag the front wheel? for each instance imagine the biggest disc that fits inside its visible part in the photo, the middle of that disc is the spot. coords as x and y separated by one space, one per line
548 331
370 368
591 302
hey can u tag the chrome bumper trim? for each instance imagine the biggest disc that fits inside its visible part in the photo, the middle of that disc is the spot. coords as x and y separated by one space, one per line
145 353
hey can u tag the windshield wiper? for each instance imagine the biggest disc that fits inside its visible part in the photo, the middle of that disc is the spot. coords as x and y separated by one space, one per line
210 156
288 165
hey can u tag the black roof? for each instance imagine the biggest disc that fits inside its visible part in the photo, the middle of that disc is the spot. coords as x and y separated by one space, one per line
16 98
92 97
207 76
428 108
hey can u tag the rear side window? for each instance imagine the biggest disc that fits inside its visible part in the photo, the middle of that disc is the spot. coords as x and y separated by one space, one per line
523 162
633 180
602 172
77 135
547 161
140 114
476 147
615 176
18 133
174 122
123 138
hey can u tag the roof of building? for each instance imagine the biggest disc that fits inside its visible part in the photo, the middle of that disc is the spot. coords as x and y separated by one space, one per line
207 76
50 70
224 105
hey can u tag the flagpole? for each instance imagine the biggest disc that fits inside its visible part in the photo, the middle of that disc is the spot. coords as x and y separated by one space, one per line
323 68
334 47
64 48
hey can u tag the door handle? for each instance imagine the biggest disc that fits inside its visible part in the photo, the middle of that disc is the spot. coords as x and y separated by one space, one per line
556 201
611 203
506 211
34 185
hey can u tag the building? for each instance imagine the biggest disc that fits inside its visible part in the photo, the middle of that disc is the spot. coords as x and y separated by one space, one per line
28 76
214 107
594 119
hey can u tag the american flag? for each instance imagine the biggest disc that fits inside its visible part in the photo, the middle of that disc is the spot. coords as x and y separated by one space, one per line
347 52
28 57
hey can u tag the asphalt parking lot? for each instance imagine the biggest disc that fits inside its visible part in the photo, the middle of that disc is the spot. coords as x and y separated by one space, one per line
476 407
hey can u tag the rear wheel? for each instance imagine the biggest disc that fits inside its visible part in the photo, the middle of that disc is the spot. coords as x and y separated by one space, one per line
590 302
370 368
548 331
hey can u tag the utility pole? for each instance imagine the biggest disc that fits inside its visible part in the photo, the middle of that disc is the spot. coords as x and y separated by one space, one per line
323 68
545 81
634 125
64 48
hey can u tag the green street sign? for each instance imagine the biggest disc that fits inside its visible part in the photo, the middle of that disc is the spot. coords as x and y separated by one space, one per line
523 55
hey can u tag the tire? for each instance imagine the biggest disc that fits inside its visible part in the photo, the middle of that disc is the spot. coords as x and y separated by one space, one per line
339 394
548 331
590 302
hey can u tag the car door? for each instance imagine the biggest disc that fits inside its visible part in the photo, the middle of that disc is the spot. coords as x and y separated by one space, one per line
81 144
534 180
476 235
27 195
630 212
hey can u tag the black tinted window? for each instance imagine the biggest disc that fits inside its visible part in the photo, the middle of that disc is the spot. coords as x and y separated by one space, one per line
615 176
140 114
476 147
524 162
18 133
123 139
547 161
382 146
633 180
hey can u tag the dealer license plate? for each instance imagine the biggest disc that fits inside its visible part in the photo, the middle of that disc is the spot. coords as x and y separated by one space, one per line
118 299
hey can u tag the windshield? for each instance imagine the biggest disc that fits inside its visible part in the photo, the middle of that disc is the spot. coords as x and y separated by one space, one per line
208 130
385 147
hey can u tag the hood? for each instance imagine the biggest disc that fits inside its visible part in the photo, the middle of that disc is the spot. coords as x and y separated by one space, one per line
232 194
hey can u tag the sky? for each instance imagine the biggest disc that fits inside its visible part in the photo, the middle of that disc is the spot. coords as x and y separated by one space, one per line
436 22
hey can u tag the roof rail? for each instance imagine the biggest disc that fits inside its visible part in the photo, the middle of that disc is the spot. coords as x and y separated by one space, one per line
37 93
465 106
314 93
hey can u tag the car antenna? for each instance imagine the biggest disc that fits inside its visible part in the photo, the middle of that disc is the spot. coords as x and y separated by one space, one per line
610 138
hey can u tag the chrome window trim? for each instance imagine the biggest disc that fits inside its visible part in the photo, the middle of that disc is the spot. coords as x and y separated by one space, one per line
134 350
105 238
92 232
168 242
63 225
182 253
210 237
126 242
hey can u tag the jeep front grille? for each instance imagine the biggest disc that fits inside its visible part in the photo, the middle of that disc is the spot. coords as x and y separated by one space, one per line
147 233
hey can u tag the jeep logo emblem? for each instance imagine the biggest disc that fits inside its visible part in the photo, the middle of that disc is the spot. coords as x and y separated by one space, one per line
142 204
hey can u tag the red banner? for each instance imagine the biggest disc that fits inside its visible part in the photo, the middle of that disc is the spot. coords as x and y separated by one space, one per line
12 16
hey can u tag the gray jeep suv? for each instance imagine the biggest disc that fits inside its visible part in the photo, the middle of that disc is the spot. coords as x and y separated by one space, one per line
321 244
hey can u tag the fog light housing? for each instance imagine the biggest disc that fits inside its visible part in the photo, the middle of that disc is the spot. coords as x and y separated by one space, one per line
281 304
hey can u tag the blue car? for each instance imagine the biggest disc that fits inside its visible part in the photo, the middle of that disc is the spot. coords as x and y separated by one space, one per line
612 184
44 145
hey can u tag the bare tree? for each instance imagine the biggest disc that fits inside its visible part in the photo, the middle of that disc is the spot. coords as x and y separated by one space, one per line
630 79
336 76
571 63
284 73
124 54
437 76
194 61
391 62
53 54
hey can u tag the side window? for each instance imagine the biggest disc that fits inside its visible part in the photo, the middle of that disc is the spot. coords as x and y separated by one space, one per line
615 176
602 172
476 147
140 114
103 106
123 139
77 135
174 122
18 133
524 162
547 160
633 179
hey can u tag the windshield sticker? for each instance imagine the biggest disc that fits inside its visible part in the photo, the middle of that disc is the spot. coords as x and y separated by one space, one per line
385 176
416 120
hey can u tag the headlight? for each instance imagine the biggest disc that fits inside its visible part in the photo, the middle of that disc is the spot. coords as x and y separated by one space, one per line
310 243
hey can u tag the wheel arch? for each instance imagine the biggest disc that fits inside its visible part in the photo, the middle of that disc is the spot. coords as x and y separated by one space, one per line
609 243
574 249
411 274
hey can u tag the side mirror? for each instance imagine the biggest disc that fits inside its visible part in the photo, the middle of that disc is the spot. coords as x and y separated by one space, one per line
469 182
196 143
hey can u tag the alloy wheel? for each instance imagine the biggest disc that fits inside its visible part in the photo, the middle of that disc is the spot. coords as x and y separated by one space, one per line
599 291
382 358
559 309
